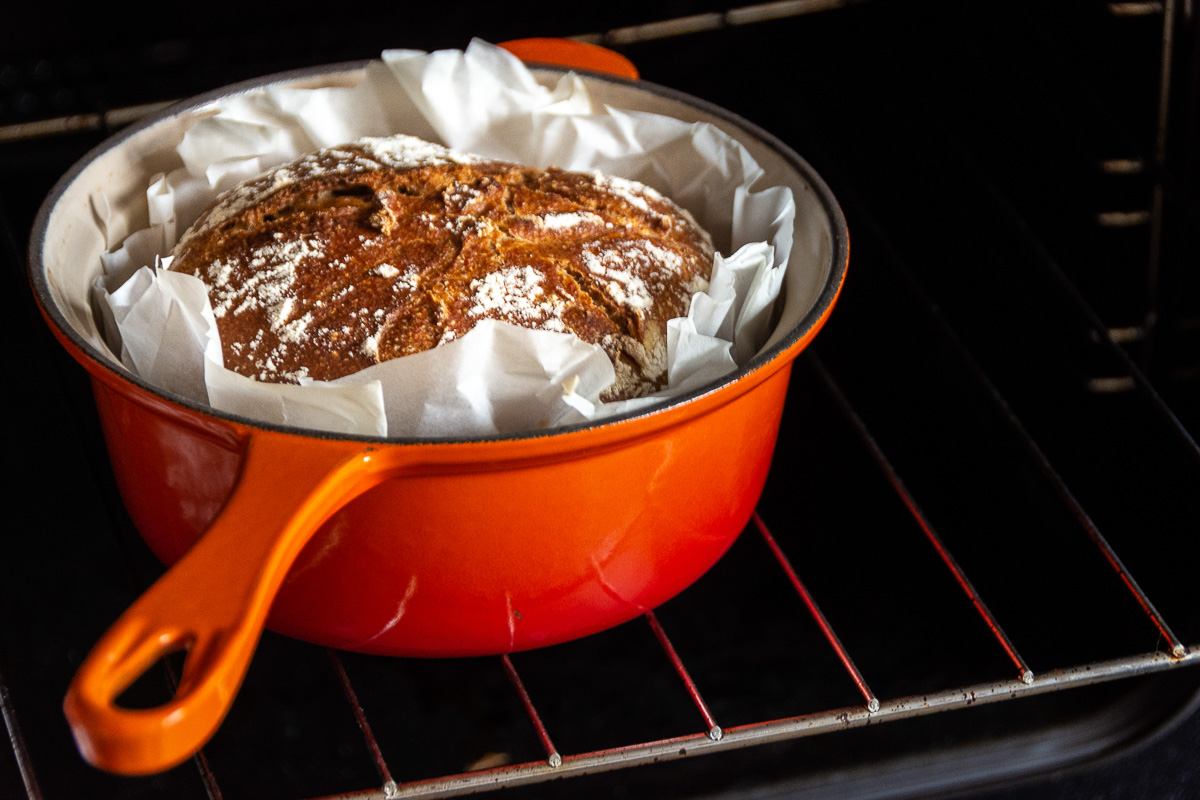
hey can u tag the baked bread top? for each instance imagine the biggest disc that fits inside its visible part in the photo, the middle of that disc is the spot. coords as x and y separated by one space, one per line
390 246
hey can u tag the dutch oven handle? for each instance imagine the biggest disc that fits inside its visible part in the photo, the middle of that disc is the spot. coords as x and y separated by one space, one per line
213 603
572 53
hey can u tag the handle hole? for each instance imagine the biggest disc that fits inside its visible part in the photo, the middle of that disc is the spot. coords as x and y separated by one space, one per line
156 686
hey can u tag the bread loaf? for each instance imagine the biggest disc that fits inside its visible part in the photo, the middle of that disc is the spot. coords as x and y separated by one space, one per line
391 246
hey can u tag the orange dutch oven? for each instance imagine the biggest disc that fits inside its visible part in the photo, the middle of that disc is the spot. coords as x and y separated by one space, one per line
446 547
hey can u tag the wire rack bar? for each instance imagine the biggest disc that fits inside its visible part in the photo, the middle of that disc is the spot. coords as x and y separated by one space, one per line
17 741
1177 647
972 365
1056 480
714 730
881 459
1068 498
1140 381
788 728
553 759
1002 210
826 628
360 716
207 776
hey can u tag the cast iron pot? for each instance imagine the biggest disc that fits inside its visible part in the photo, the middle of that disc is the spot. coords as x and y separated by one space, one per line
402 546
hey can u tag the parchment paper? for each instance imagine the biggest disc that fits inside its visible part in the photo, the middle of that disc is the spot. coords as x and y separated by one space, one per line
499 378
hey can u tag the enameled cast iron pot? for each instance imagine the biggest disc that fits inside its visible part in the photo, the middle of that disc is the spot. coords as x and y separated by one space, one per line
394 546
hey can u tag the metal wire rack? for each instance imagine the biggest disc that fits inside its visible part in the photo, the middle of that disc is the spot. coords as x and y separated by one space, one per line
710 737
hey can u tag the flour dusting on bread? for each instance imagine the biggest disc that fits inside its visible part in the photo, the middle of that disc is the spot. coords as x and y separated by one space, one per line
390 246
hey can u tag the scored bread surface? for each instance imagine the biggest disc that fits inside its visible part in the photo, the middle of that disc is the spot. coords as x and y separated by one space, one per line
391 246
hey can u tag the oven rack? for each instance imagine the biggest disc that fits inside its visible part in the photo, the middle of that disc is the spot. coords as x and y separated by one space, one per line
709 736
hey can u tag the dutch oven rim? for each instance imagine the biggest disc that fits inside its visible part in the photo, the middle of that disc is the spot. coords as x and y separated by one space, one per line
115 374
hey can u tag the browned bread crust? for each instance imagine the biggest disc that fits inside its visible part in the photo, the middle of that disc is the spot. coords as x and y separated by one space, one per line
382 248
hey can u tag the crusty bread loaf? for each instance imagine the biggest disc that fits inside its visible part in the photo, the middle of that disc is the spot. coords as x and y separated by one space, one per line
391 246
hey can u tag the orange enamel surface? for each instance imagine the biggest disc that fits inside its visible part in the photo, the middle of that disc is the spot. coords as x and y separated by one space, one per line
419 549
533 553
570 53
446 549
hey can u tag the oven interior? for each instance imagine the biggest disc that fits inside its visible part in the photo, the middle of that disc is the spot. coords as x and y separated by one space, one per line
971 571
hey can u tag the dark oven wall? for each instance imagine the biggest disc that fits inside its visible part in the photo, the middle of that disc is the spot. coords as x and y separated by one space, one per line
1004 402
